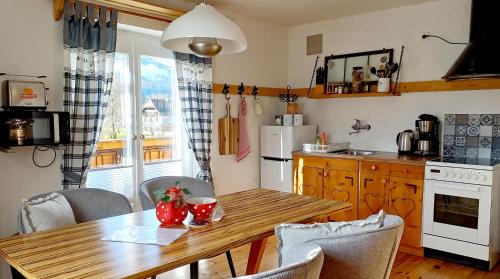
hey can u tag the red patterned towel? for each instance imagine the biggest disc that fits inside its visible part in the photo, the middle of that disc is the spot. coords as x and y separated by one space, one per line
243 144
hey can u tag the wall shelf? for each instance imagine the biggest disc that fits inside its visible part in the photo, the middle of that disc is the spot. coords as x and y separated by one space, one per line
403 88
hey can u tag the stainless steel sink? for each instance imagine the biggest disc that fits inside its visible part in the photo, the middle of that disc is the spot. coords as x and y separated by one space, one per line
357 152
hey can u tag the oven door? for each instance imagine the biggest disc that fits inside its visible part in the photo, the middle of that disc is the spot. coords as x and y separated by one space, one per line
457 211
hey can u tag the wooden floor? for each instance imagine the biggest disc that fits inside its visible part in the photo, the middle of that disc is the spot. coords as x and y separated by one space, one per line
406 266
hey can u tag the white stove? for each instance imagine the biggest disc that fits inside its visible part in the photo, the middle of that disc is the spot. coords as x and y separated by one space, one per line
462 208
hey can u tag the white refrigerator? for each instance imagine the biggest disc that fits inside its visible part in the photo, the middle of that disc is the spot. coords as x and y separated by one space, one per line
276 146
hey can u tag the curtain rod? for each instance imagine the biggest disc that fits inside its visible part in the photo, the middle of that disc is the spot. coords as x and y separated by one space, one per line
131 7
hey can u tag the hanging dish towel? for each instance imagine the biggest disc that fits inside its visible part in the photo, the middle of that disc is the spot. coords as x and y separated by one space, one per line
243 145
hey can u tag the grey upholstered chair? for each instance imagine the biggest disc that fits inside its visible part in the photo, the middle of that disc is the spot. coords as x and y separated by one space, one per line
364 255
197 187
88 204
299 262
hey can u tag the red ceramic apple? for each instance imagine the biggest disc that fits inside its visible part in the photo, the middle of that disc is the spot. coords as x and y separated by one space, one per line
171 210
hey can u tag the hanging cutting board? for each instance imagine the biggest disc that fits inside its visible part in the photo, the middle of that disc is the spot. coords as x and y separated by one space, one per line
228 133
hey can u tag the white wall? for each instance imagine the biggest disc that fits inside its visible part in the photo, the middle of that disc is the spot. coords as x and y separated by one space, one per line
32 45
423 60
263 64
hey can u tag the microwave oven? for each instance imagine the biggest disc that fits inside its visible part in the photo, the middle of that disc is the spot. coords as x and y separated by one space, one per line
29 128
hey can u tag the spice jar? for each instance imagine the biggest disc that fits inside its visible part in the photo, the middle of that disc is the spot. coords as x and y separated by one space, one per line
357 79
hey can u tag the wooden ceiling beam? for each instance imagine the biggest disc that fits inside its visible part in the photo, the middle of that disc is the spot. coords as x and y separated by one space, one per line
131 7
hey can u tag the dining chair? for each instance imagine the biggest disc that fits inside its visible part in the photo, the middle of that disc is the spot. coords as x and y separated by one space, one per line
300 262
197 187
88 204
364 254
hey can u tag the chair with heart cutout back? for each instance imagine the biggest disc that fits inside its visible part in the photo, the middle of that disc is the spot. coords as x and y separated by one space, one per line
197 187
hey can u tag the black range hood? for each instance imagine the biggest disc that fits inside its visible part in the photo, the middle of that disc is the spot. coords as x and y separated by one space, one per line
481 57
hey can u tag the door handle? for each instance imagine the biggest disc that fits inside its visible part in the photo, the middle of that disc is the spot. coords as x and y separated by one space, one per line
367 180
412 186
134 137
141 137
456 187
350 178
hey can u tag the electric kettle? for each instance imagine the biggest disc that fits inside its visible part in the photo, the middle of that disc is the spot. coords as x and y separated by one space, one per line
404 141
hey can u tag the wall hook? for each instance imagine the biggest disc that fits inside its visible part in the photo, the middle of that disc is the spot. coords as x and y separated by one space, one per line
241 89
225 91
255 92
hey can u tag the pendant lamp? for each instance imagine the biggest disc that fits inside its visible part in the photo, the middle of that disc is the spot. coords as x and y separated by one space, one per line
204 32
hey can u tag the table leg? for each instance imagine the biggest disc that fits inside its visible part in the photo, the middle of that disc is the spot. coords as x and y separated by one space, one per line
255 256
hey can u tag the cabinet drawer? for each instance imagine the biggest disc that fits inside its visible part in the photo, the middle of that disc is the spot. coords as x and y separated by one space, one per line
409 171
375 167
309 161
342 164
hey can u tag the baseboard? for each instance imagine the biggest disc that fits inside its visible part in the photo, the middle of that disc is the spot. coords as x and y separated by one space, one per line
412 250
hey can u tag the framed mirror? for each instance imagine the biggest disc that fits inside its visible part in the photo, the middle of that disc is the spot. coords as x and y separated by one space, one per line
339 68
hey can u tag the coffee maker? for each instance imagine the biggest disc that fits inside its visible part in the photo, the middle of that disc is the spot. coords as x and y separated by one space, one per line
427 135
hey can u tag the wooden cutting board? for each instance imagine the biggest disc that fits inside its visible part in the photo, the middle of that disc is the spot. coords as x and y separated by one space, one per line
228 133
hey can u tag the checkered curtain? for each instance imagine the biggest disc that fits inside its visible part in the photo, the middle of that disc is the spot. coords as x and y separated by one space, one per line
89 46
195 89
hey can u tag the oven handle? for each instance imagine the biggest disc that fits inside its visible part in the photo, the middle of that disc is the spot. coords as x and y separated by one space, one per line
455 187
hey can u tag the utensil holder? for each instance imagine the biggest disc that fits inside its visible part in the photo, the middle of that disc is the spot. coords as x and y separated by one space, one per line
384 85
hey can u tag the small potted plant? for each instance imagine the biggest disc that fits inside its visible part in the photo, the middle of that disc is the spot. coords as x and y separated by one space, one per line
171 209
291 101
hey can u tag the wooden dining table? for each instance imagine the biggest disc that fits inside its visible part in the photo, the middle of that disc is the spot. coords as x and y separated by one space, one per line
78 251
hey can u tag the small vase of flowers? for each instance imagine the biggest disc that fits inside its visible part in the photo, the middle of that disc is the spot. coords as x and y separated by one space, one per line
171 209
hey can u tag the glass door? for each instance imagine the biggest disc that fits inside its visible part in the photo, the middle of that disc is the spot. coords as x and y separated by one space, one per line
141 136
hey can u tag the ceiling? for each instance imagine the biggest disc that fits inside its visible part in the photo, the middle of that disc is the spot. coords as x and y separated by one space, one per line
293 12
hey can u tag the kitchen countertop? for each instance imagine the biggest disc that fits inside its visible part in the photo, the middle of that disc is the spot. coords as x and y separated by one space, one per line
390 157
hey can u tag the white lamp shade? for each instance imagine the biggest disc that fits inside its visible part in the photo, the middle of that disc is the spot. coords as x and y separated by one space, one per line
203 22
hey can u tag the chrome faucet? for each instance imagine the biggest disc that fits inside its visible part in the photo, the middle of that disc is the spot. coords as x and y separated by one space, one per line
357 127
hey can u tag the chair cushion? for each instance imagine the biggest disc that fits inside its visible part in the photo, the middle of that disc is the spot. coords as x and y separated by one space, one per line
295 234
46 213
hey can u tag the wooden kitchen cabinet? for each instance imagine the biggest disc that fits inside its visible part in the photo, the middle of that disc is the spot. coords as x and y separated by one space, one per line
370 186
373 194
405 200
342 185
308 177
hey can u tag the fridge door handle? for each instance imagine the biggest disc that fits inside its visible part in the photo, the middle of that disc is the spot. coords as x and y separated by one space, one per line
276 159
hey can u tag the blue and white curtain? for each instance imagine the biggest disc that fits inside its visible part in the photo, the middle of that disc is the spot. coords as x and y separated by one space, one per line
89 46
195 89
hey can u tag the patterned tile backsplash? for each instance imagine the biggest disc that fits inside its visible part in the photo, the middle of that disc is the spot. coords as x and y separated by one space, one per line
472 135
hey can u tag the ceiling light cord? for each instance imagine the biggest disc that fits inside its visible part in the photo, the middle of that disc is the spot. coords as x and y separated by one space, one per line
425 36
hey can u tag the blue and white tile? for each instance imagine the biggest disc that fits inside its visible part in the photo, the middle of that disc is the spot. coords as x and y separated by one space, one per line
496 131
460 130
495 143
474 120
473 131
484 142
485 131
449 130
460 141
449 140
460 151
449 151
486 119
449 119
495 154
484 153
496 119
471 152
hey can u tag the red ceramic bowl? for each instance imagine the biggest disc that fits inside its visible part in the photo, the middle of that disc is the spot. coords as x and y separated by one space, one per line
201 208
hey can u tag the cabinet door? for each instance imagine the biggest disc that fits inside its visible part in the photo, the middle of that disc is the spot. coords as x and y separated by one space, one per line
373 194
309 181
406 201
342 186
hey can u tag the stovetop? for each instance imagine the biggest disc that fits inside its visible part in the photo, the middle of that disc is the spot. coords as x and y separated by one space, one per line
476 163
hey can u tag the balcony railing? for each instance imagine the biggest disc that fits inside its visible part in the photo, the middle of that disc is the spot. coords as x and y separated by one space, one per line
109 153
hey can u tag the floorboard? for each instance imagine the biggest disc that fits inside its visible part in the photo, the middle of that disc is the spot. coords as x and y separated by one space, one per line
405 266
